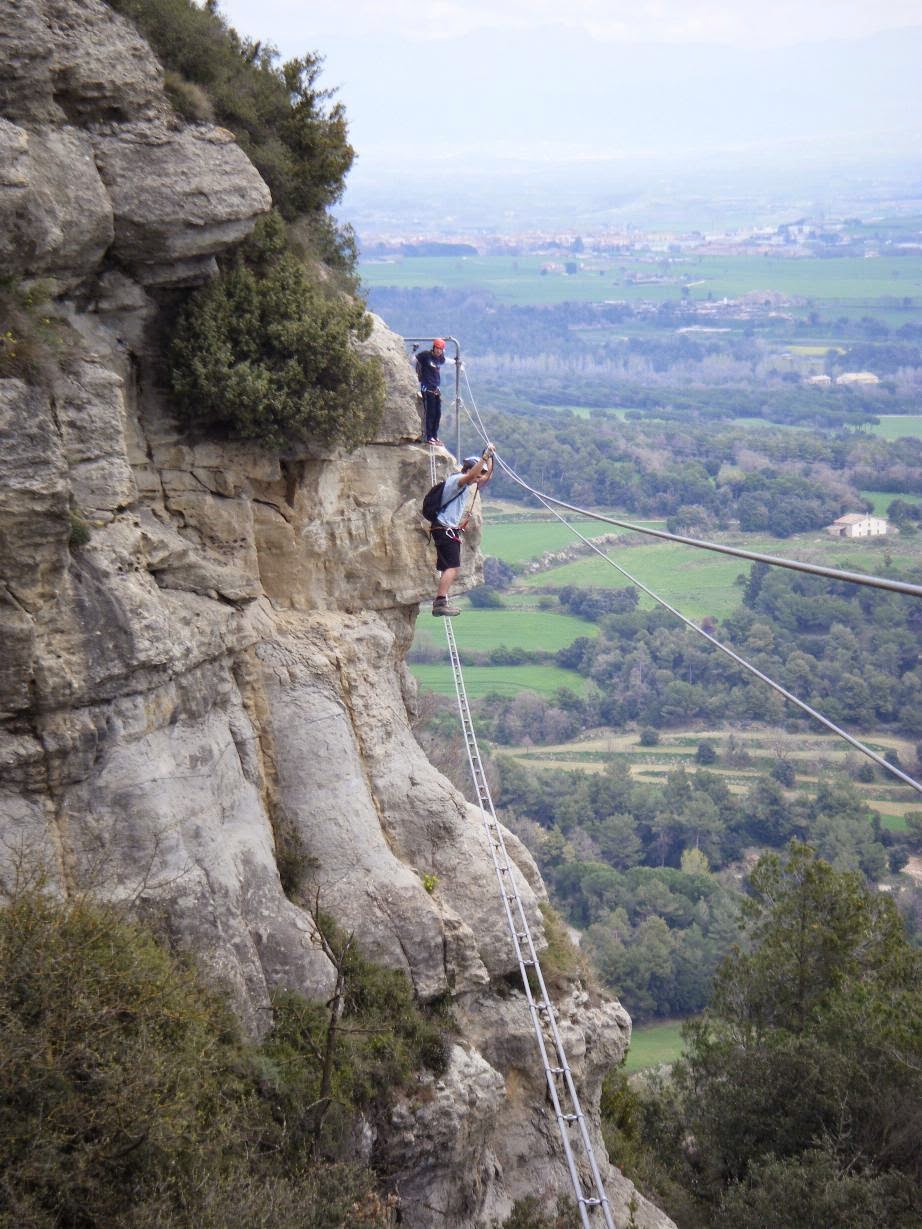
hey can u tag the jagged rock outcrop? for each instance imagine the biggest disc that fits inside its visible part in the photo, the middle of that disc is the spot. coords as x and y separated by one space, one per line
217 675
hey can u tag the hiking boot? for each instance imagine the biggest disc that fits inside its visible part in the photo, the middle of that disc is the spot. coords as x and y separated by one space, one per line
438 443
441 607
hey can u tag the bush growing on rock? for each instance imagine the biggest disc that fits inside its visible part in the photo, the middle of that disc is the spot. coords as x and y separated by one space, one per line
266 352
32 342
128 1097
534 1213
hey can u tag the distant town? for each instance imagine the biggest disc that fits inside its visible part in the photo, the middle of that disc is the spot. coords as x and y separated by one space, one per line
804 237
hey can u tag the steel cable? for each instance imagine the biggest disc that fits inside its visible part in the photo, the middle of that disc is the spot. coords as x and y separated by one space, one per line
546 501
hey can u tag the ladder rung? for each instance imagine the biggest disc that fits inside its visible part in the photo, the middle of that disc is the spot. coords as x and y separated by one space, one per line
544 1027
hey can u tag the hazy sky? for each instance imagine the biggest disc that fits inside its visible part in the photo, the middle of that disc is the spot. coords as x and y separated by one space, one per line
495 83
739 22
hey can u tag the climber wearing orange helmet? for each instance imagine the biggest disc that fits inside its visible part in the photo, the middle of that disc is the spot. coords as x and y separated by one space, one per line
428 369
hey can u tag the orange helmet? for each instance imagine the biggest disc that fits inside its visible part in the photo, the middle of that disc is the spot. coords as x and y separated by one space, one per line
438 343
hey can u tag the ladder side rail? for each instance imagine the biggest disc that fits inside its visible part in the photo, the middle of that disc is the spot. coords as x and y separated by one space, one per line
551 1021
575 1101
562 1065
484 790
472 752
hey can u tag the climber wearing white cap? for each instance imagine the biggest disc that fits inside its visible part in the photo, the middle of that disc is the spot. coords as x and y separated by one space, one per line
455 504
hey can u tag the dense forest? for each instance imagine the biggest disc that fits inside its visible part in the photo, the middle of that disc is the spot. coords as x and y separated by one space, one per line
767 481
636 356
646 872
797 1103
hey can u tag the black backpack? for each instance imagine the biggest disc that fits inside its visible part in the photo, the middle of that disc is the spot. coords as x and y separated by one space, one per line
433 504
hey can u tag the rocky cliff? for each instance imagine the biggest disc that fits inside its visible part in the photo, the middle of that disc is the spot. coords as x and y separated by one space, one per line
214 682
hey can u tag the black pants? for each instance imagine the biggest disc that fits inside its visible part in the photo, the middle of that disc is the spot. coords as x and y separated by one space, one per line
447 548
432 412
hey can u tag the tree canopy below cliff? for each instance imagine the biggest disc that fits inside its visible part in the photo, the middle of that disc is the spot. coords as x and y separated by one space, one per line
797 1102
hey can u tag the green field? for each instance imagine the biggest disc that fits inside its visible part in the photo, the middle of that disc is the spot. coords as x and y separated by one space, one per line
515 543
507 680
653 1044
883 499
526 629
845 280
620 412
898 426
697 583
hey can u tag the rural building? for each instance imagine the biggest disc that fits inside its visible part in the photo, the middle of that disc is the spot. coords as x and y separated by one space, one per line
821 381
857 525
857 377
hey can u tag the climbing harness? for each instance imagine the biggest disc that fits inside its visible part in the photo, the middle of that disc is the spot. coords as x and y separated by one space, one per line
560 1084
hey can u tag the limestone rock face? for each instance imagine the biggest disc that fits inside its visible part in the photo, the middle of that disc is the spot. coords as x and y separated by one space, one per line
177 197
75 59
55 217
94 162
203 688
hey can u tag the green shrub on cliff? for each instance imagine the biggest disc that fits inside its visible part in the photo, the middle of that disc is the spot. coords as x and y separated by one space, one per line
265 352
128 1097
31 340
290 129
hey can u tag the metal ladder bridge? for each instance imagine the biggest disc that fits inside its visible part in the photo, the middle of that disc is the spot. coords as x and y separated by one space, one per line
577 1146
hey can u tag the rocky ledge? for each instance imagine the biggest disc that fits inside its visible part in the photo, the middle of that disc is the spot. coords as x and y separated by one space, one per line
217 675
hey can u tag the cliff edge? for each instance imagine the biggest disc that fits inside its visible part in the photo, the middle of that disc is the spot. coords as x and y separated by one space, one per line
212 687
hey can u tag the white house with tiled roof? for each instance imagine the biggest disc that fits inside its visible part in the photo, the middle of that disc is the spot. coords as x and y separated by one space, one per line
857 525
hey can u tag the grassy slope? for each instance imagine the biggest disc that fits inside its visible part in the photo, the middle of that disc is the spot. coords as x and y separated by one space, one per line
516 543
507 680
491 629
898 426
696 582
653 1044
883 499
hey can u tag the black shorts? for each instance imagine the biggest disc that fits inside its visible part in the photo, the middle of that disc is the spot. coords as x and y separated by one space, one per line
447 548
